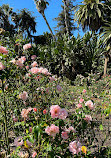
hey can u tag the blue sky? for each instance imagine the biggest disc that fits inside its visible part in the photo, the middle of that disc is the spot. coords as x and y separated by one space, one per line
51 12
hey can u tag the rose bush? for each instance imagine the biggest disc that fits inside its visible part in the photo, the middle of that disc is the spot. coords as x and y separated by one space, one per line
34 107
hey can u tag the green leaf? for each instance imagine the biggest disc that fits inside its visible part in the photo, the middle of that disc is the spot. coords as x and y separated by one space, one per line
101 127
92 5
0 91
99 12
31 139
49 148
19 123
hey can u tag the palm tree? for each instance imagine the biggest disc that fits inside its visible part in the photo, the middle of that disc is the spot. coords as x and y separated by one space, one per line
93 15
105 37
41 5
90 14
25 22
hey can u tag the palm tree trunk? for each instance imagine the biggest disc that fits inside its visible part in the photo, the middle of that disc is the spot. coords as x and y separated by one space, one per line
48 24
105 65
67 29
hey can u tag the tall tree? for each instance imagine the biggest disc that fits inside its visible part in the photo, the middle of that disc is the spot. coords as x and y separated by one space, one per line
5 14
65 13
64 17
105 36
92 15
41 5
24 21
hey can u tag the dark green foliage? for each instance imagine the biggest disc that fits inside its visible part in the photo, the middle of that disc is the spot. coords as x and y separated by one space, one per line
69 58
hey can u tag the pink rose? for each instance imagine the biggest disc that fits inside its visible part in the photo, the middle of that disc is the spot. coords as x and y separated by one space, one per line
27 46
24 113
2 67
79 106
40 69
34 154
88 118
34 64
52 130
63 114
23 59
90 104
64 135
75 147
45 71
34 70
81 100
84 91
33 57
19 63
23 96
3 50
55 110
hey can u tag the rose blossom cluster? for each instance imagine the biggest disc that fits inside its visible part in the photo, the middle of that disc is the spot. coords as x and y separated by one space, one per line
52 130
19 62
88 118
36 70
27 46
64 135
57 112
34 64
90 104
23 96
81 100
25 112
79 106
75 147
3 50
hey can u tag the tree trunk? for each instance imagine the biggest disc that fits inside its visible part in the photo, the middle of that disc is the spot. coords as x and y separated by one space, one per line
105 65
66 23
48 24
